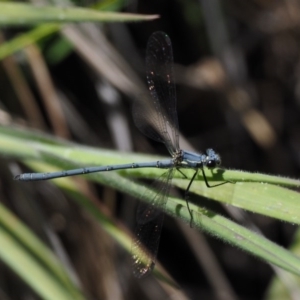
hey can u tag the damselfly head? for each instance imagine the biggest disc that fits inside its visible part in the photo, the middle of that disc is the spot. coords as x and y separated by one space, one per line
213 159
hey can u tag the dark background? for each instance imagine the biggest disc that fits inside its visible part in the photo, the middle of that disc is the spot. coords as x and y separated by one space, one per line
238 91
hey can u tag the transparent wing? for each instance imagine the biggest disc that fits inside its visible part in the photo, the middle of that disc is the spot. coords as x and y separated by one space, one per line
149 225
158 118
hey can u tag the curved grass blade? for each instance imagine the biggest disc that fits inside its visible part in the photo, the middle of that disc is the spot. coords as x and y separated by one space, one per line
32 261
62 155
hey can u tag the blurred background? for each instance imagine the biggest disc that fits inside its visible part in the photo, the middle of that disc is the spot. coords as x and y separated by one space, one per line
237 70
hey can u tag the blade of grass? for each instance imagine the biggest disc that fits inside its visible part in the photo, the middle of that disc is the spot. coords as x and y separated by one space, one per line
28 38
62 156
16 14
265 198
279 289
260 197
32 261
36 34
204 219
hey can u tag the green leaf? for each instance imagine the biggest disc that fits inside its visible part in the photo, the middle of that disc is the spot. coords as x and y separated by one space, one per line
16 14
32 261
26 39
267 198
204 219
262 196
251 191
285 284
36 34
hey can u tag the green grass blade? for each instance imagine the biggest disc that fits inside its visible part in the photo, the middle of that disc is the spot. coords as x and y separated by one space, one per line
285 284
268 199
17 14
28 38
204 219
32 261
250 191
36 34
259 197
